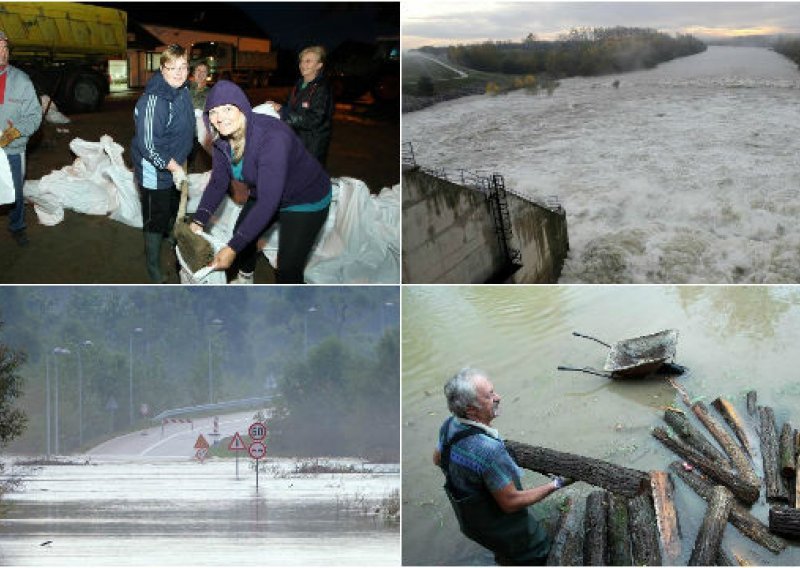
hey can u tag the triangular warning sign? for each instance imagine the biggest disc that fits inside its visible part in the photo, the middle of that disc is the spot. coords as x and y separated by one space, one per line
201 442
237 444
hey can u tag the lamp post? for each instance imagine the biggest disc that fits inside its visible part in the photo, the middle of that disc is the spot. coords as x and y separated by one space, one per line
86 343
130 381
310 310
215 322
58 351
383 322
47 395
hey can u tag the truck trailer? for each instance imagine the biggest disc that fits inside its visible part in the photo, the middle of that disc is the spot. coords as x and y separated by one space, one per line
65 48
249 63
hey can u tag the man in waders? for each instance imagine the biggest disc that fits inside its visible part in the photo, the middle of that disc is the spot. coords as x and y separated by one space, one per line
483 480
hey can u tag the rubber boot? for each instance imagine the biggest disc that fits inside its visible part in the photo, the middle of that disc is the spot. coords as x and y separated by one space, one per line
152 254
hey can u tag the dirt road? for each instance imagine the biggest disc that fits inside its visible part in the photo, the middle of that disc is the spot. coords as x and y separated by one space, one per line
86 249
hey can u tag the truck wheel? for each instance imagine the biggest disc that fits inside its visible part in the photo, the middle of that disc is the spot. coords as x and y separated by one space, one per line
85 95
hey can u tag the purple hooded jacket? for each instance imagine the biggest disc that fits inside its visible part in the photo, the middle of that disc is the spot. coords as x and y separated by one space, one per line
278 169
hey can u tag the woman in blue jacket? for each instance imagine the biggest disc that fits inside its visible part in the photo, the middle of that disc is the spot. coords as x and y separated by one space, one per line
284 181
165 131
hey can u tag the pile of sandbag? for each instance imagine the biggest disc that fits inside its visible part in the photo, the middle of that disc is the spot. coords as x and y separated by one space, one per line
359 243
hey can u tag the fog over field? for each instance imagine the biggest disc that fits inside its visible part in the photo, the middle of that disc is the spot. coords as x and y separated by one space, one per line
688 172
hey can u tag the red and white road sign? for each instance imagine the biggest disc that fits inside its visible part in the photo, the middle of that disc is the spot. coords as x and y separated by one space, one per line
257 431
257 450
201 442
237 445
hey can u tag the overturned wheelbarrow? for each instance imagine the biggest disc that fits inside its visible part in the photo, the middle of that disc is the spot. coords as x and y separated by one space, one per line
636 357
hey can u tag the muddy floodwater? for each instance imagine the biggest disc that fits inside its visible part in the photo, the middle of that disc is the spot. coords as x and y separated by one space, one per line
731 339
687 173
180 512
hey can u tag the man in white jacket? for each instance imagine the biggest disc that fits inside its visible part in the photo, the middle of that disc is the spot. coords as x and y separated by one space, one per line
20 117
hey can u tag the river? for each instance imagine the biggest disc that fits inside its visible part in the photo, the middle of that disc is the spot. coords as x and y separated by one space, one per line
687 173
168 511
732 339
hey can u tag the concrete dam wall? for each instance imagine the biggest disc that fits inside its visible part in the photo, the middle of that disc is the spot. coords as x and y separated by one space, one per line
450 235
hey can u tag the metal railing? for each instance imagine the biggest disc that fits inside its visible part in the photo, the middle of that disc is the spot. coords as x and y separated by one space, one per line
477 180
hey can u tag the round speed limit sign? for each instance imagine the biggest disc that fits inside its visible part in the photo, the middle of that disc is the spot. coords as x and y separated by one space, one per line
257 431
257 450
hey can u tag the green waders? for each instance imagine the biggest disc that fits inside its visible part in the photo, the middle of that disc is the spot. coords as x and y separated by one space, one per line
514 538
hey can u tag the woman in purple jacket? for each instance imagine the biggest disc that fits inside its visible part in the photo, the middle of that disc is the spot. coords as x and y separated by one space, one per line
285 183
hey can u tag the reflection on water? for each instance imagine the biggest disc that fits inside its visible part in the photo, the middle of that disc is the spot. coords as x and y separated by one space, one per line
172 513
732 339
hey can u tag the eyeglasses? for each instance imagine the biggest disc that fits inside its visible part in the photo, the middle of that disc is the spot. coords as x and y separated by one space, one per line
182 68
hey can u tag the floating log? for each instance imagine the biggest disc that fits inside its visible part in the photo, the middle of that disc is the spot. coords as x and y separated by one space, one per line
680 424
666 515
724 558
797 442
619 542
752 403
706 545
745 492
785 522
567 547
786 450
728 412
740 517
738 457
797 483
595 546
644 533
769 453
615 478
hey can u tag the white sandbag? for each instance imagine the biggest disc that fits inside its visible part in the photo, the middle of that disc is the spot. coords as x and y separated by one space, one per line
205 275
6 180
360 241
363 245
53 115
267 109
96 183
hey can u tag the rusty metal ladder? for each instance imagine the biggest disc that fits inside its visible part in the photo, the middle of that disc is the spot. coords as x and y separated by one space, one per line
502 220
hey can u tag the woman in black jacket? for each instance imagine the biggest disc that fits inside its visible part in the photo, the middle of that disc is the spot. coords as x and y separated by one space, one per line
309 110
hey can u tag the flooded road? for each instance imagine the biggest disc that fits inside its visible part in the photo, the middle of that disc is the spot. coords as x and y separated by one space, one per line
732 339
168 511
687 173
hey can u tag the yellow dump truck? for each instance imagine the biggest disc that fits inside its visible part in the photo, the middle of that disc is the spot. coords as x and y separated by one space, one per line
65 48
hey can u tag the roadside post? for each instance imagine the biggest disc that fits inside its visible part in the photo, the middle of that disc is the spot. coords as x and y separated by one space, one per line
257 449
201 448
237 445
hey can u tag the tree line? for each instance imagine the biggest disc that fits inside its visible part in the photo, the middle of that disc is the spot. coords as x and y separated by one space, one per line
789 48
178 347
580 52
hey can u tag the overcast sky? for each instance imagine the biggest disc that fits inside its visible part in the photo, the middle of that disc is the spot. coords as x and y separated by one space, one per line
448 22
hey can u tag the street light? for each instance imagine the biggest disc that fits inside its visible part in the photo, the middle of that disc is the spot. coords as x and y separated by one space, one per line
385 305
47 374
310 310
214 322
130 382
58 351
86 343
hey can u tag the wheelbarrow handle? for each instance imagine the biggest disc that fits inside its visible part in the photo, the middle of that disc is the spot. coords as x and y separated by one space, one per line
576 334
589 370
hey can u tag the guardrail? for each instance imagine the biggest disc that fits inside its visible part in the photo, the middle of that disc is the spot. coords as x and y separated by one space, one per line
201 408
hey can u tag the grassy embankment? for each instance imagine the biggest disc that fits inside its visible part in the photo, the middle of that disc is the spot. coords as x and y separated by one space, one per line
497 67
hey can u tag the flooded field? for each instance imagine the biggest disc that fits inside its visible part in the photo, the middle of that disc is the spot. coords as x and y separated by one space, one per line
732 339
178 512
686 173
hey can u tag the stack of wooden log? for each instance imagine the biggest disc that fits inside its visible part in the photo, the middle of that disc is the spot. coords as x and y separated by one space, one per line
633 520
